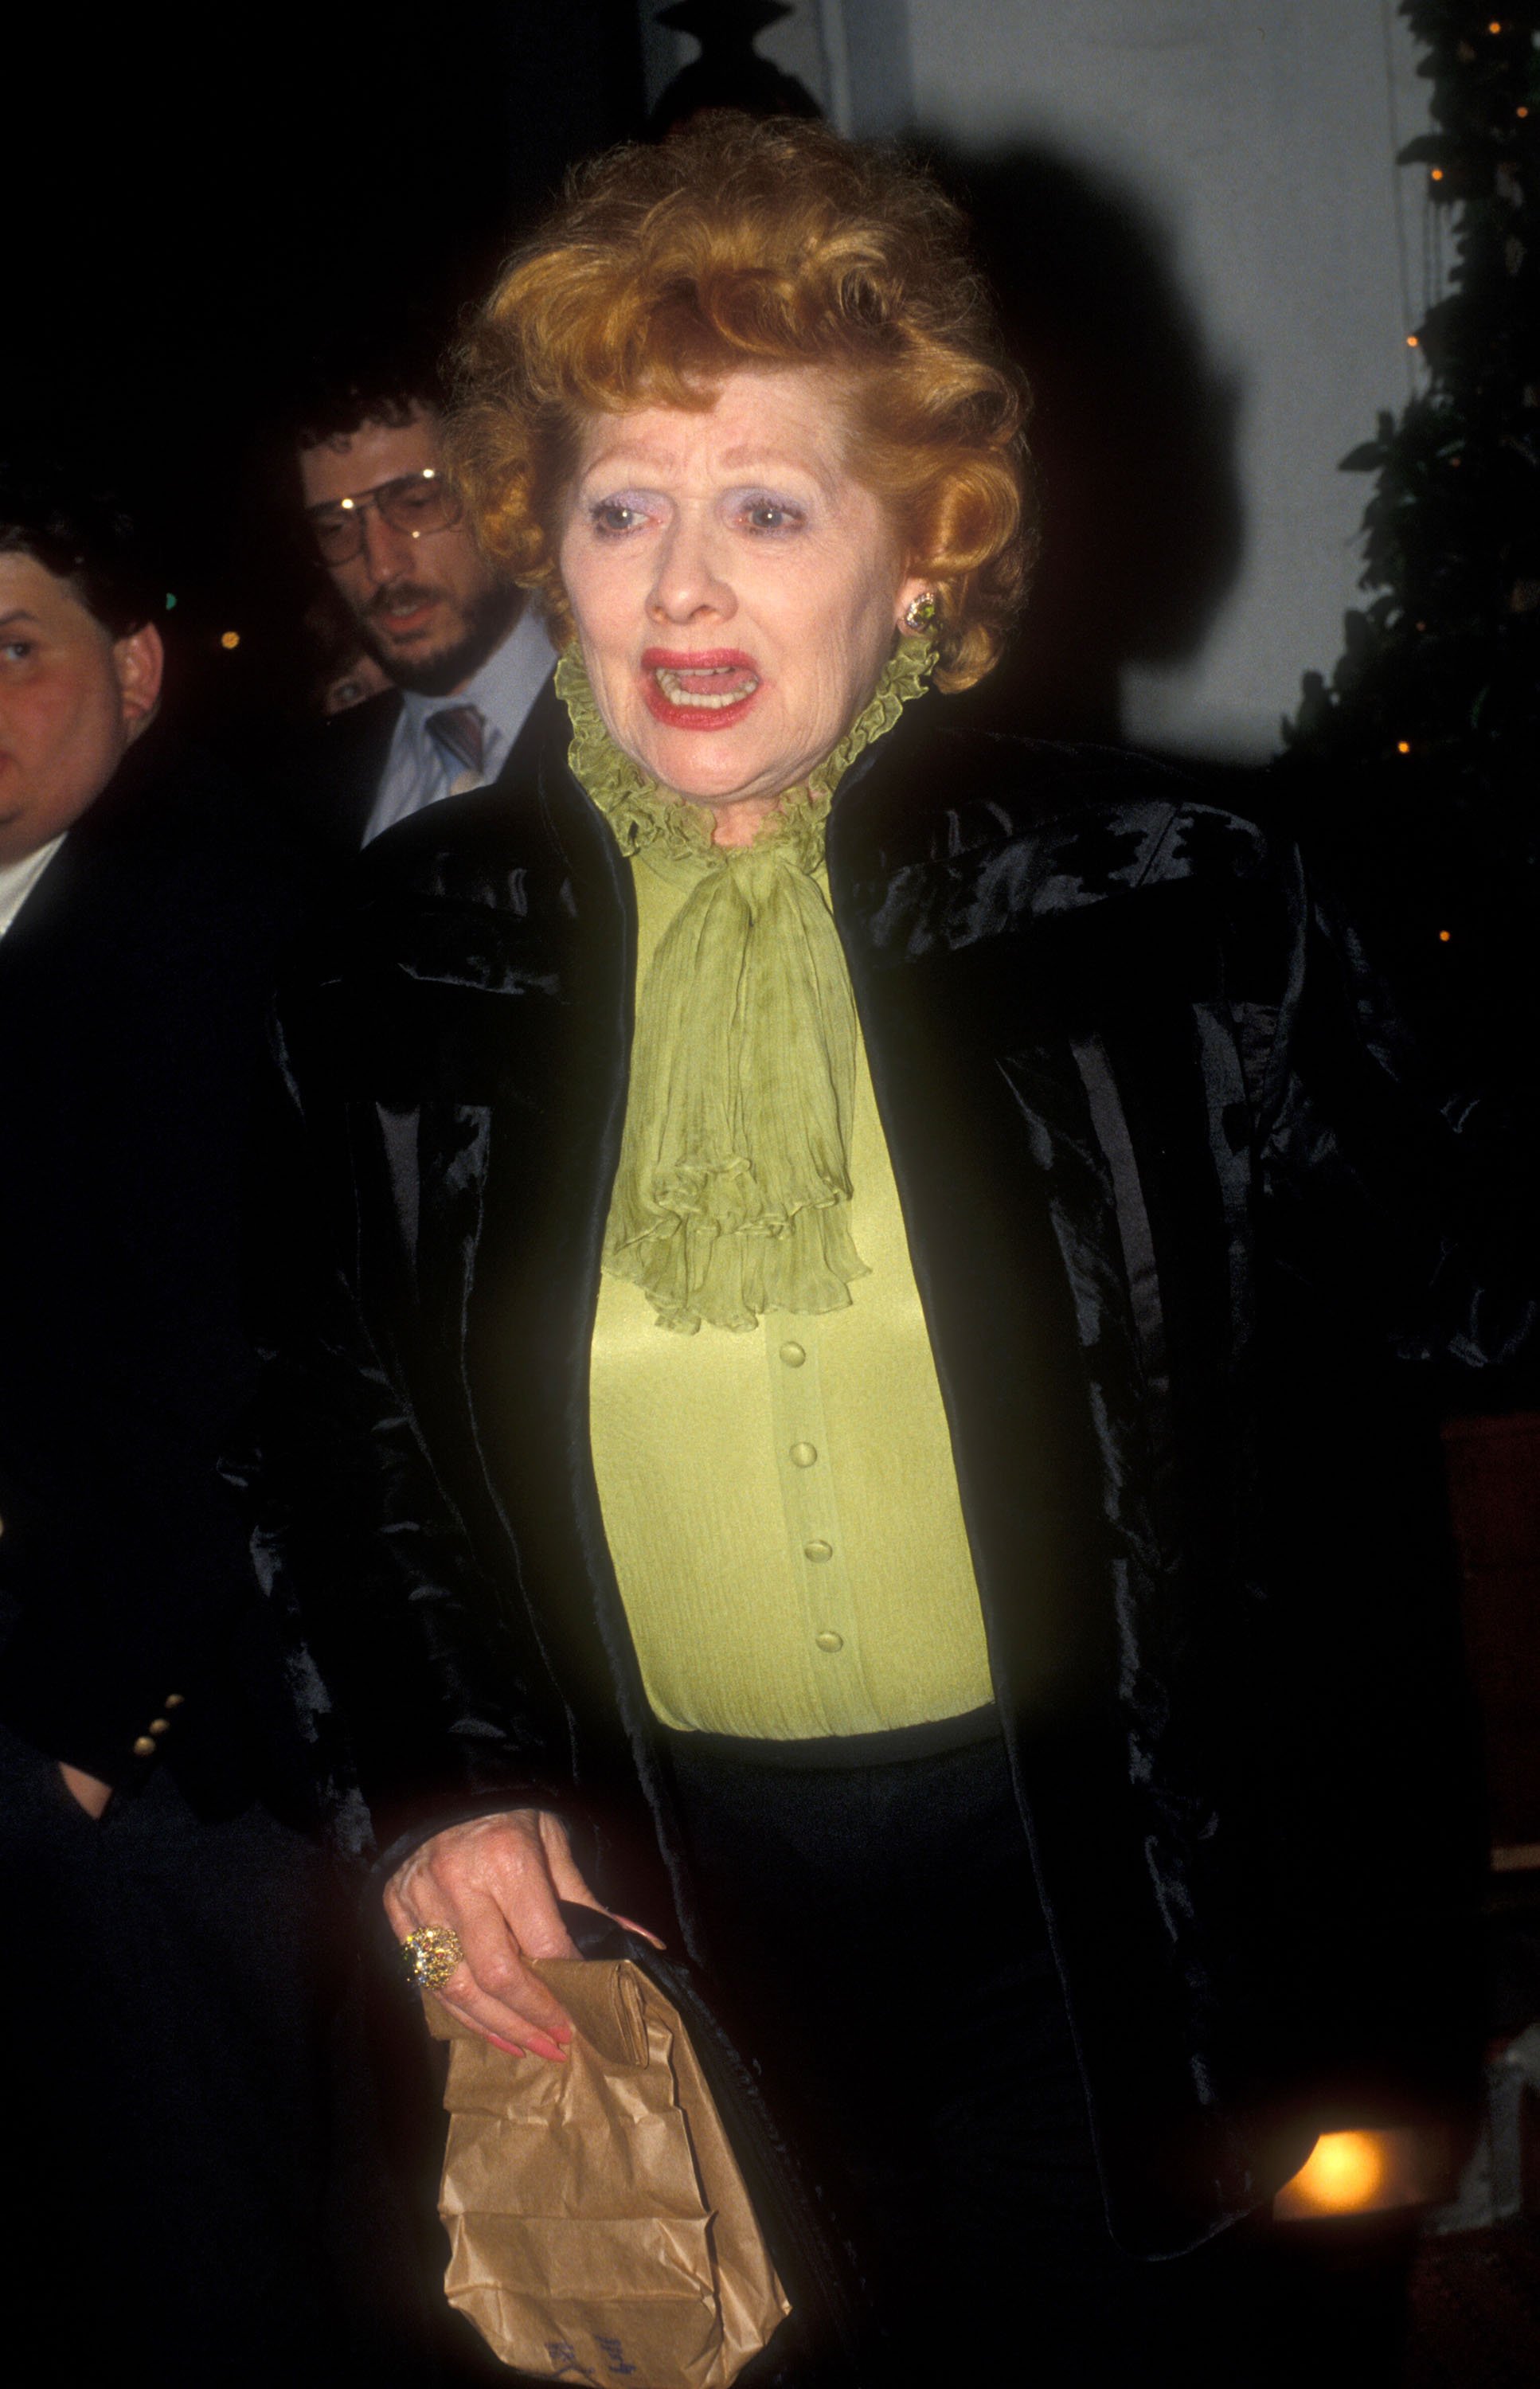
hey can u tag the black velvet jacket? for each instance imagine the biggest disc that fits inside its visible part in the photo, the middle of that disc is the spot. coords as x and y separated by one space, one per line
1143 1116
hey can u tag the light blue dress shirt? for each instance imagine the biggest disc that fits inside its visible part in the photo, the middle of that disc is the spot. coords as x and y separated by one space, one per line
417 770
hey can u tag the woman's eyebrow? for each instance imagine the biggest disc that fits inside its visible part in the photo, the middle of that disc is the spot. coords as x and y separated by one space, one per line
621 459
765 463
752 461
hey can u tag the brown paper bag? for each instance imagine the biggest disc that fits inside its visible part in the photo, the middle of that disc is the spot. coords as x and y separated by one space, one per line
599 2227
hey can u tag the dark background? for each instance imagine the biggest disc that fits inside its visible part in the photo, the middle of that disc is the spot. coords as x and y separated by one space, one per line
202 206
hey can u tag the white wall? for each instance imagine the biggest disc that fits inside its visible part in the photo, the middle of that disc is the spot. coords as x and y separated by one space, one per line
852 55
1263 134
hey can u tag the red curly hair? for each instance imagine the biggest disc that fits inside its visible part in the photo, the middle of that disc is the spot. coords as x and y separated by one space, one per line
745 243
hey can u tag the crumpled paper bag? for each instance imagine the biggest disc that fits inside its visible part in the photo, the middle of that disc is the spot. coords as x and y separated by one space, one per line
599 2225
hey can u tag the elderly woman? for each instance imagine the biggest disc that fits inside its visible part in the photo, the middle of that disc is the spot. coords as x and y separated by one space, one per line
783 1433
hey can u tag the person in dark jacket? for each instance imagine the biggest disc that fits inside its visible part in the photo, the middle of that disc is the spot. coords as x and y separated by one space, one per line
822 1252
172 1985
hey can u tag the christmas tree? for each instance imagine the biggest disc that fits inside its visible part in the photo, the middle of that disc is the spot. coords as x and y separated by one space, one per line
1424 745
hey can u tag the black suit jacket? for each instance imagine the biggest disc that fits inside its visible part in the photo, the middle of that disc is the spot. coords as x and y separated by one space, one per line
326 790
1172 1191
132 990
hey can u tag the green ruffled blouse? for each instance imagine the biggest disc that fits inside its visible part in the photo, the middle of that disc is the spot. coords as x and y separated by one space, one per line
781 1505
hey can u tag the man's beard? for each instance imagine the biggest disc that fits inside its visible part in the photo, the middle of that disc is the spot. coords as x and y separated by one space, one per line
486 623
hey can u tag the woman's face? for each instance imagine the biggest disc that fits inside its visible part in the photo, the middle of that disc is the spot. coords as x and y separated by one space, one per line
735 588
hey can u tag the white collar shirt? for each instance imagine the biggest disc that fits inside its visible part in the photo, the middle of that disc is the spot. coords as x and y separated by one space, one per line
418 770
19 879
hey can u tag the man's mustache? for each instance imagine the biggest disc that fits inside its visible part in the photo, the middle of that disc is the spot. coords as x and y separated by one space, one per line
401 595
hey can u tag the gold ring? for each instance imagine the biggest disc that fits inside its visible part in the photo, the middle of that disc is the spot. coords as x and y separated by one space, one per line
430 1956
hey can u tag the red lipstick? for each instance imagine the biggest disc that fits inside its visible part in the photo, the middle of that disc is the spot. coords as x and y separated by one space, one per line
698 688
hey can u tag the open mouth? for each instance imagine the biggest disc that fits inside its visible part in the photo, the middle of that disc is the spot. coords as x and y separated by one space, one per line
700 692
403 609
721 685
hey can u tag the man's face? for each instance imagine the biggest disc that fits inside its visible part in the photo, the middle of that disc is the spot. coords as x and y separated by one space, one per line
71 698
429 607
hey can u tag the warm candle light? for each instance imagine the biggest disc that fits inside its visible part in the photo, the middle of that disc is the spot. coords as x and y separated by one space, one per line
229 639
1344 2170
1369 2172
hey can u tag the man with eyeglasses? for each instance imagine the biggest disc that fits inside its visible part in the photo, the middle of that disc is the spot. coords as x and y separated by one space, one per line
466 658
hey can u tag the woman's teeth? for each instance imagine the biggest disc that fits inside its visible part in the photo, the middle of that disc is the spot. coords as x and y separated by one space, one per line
689 689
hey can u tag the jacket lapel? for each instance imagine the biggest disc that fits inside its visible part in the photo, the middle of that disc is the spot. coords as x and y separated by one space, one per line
529 1317
988 955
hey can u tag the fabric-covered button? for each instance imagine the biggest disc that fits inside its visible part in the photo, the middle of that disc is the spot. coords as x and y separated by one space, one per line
819 1551
794 1355
830 1641
803 1455
143 1747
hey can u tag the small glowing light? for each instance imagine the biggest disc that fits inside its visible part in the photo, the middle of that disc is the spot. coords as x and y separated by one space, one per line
1370 2171
1443 936
1411 341
1403 746
1344 2170
171 599
1436 176
229 639
1521 111
1495 27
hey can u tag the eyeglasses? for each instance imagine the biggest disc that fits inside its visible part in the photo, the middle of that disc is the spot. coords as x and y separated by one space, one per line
414 504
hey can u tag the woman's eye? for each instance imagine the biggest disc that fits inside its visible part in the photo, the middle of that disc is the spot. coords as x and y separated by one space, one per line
19 649
770 514
611 517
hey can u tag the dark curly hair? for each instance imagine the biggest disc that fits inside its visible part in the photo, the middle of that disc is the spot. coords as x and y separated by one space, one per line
83 537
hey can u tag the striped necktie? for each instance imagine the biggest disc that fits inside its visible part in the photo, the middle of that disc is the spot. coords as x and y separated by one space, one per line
461 730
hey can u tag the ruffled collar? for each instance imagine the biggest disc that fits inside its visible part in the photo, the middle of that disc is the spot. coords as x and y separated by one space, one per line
643 814
733 1193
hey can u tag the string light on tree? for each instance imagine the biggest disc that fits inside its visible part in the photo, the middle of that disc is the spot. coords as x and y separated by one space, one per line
1426 729
1443 642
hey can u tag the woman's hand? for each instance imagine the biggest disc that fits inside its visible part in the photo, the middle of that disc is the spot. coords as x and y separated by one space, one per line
89 1790
496 1881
